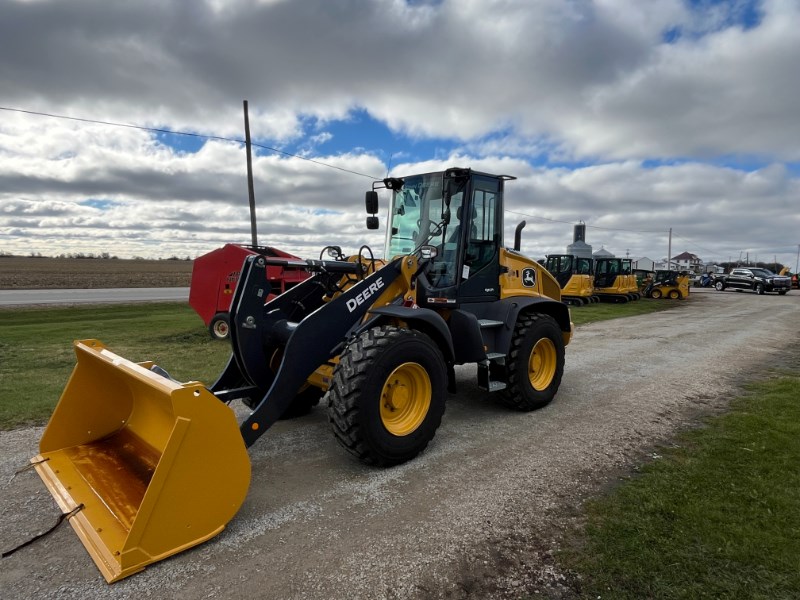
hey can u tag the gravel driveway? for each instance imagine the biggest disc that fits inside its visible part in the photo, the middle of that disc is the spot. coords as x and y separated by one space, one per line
477 515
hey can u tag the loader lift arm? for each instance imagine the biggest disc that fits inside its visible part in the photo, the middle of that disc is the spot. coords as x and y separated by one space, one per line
292 327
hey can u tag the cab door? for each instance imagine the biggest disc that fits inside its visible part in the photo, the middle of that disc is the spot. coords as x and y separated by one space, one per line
482 240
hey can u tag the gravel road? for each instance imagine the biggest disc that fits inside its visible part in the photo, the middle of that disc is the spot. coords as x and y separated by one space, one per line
478 515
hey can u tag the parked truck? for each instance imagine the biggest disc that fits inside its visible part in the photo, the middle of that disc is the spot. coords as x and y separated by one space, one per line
753 279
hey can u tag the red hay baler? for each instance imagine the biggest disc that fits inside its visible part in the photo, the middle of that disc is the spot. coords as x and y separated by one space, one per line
215 275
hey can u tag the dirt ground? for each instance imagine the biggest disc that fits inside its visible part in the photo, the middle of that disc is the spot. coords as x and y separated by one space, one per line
25 272
479 514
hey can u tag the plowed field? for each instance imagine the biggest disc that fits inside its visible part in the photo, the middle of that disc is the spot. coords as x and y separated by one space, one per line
21 272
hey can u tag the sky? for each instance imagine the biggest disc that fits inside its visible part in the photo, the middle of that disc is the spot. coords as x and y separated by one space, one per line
633 117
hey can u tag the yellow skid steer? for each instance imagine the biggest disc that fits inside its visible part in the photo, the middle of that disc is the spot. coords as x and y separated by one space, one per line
148 467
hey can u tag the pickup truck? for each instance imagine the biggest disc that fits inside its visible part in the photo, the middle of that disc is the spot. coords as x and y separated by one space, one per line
753 279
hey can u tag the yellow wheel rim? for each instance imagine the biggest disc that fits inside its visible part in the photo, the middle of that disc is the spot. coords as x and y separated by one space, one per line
542 364
405 399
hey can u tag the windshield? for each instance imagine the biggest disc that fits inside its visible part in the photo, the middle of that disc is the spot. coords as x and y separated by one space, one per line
584 266
416 214
559 264
762 272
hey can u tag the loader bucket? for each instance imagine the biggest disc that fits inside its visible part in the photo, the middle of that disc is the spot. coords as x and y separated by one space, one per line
158 466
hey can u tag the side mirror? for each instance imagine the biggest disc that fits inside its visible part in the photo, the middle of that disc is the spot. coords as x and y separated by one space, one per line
334 252
428 252
371 201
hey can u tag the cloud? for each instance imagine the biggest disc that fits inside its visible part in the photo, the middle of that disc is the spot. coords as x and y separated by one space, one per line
578 99
595 76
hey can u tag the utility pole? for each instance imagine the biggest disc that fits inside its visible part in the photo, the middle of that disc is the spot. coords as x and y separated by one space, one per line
250 190
669 251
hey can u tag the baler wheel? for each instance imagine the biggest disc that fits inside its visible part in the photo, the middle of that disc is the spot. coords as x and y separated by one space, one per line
219 327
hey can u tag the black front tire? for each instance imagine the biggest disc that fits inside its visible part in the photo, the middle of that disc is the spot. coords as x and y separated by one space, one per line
760 289
536 363
388 395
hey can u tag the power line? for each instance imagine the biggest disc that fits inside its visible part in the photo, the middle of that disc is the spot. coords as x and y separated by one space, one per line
311 160
184 133
696 245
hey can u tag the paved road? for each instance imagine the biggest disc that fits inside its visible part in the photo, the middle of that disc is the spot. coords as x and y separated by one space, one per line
480 514
93 296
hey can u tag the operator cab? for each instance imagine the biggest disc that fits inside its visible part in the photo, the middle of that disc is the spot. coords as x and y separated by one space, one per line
456 216
564 266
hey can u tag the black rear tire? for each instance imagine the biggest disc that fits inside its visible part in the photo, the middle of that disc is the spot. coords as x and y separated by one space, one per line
719 286
388 395
535 363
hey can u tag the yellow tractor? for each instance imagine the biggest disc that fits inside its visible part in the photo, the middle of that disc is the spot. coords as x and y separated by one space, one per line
643 279
146 466
574 275
668 284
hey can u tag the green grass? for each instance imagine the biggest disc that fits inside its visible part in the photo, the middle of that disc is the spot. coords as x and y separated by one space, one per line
603 311
717 517
36 356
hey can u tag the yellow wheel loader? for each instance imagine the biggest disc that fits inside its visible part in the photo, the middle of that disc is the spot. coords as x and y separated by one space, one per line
574 275
147 466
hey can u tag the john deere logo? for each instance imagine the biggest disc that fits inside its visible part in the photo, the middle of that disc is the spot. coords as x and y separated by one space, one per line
354 303
529 277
